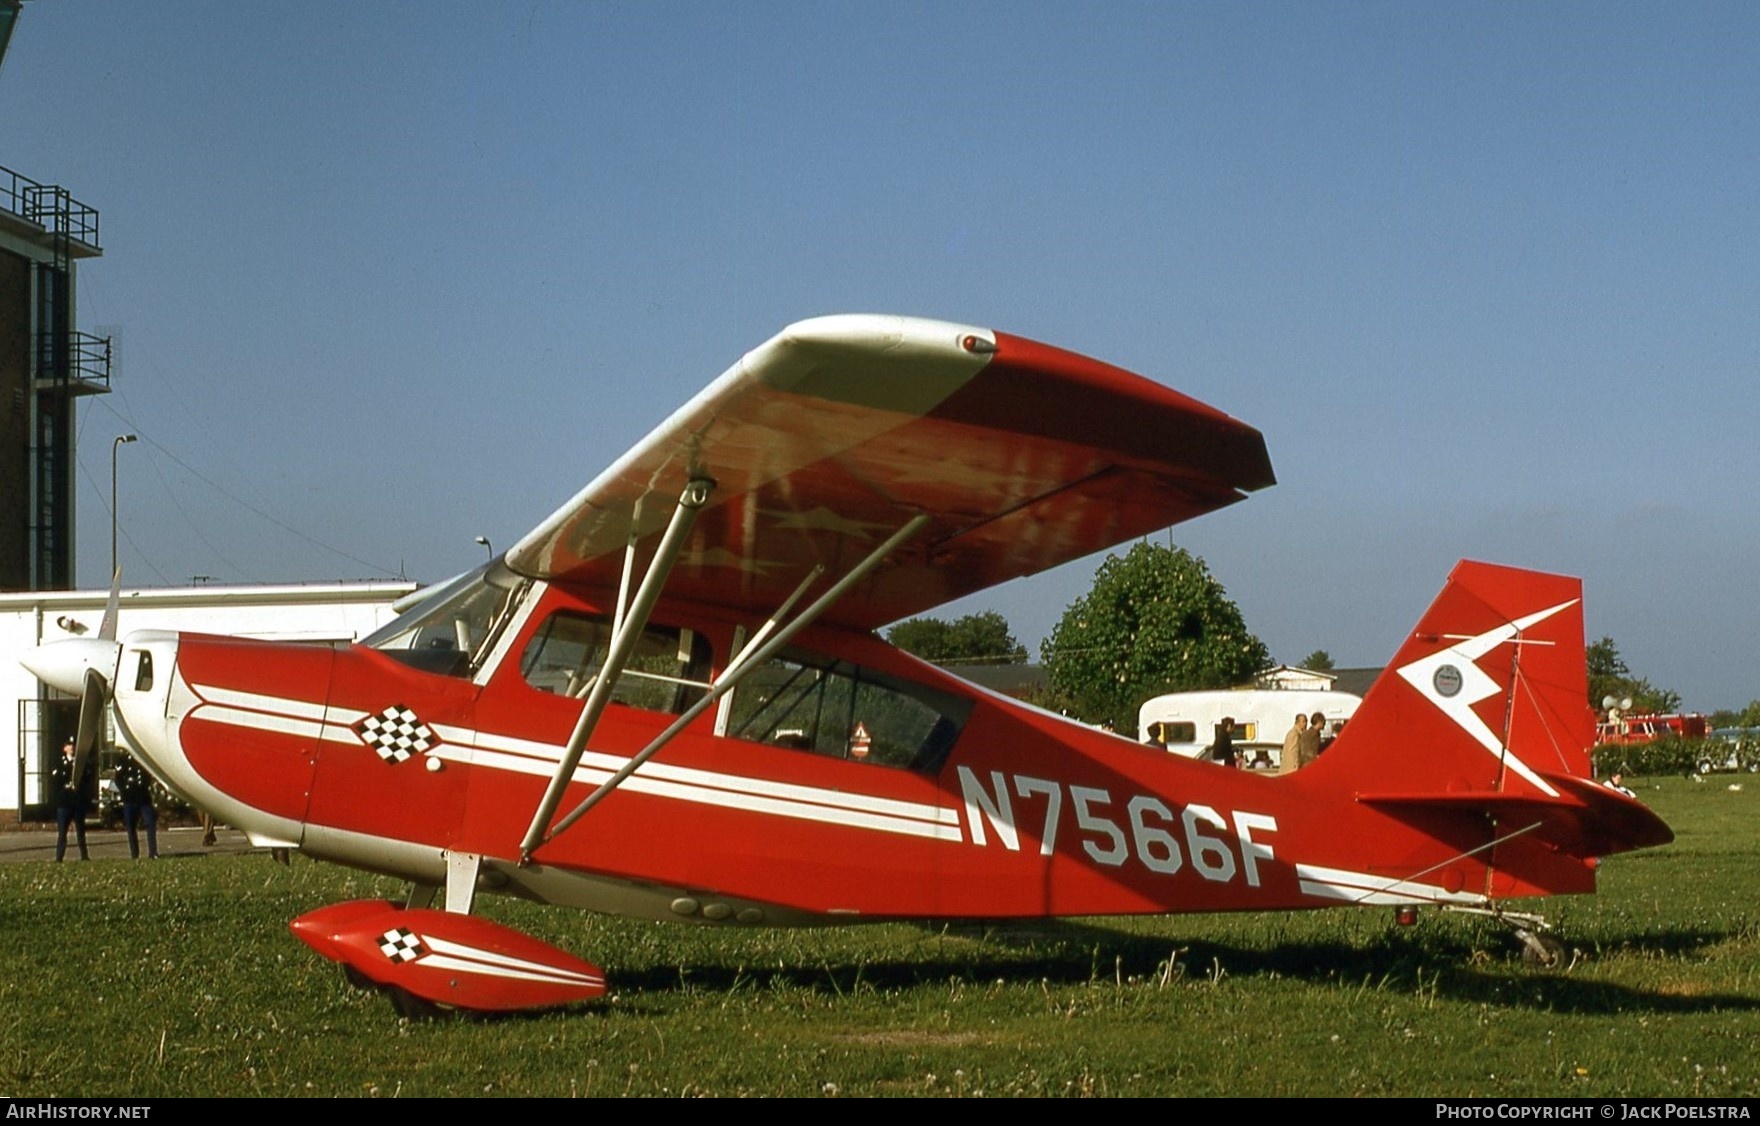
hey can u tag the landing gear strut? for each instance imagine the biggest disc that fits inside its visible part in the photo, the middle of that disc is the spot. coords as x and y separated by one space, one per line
1539 948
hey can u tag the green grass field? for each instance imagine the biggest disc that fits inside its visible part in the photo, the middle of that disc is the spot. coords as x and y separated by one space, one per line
181 978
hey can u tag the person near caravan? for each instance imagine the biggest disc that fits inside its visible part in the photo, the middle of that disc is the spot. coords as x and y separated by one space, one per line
1222 750
1309 749
1292 746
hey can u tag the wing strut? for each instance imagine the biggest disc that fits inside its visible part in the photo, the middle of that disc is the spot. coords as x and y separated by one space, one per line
629 565
630 625
773 620
751 657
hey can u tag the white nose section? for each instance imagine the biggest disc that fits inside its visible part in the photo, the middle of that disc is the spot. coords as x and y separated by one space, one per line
63 664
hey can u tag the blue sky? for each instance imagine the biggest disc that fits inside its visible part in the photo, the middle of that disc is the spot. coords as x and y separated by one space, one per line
390 276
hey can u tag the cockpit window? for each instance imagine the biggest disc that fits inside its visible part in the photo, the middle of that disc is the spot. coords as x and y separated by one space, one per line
452 630
667 671
805 701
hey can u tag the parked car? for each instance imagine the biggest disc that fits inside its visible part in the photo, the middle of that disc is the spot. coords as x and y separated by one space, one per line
1731 748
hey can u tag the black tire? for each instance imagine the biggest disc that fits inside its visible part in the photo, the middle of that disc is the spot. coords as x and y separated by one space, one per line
411 1007
1548 954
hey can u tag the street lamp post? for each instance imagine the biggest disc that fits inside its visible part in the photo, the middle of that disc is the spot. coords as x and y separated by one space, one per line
114 446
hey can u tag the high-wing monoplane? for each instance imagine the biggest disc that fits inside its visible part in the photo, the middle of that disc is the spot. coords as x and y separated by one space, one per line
669 700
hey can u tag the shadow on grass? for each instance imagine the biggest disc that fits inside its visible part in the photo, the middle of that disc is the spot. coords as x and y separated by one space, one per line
1452 965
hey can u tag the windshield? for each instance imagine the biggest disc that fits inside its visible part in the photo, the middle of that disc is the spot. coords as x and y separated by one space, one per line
453 629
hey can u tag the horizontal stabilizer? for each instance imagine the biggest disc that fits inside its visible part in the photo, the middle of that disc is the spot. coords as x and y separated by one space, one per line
1585 820
457 960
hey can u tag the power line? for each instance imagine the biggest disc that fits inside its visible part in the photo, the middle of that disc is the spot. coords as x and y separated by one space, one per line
240 501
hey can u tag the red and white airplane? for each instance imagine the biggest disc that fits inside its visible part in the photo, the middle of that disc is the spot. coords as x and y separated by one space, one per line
669 700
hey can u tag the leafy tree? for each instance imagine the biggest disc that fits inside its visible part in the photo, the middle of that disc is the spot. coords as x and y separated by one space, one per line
1154 621
1319 660
1746 717
1609 676
974 639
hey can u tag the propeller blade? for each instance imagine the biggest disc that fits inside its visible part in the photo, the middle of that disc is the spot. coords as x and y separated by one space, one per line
91 721
112 608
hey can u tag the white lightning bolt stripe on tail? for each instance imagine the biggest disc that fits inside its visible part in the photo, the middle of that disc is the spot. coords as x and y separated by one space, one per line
1475 686
1363 888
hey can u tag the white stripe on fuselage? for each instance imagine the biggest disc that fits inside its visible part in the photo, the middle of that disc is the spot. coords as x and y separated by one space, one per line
525 756
1363 888
280 705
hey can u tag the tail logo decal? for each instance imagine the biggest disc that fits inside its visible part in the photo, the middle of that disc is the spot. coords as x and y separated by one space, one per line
1452 680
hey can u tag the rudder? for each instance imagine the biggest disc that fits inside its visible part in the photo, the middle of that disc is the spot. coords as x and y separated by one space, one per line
1489 693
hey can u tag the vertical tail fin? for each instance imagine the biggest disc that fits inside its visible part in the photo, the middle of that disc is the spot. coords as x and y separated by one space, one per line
1488 694
1478 733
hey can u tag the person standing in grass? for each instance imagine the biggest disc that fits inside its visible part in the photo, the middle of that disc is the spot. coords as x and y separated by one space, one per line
136 789
70 804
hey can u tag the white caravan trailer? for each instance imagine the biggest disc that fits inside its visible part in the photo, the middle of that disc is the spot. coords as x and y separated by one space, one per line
1185 722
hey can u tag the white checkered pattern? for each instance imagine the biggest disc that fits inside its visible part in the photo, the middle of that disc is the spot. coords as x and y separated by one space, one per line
395 734
401 945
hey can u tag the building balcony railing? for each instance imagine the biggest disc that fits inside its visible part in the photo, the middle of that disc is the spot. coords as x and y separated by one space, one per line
77 361
50 207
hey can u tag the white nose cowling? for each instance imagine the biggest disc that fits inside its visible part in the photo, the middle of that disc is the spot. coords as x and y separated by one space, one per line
63 664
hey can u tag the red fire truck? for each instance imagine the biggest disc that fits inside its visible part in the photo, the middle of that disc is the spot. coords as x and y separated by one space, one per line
1634 728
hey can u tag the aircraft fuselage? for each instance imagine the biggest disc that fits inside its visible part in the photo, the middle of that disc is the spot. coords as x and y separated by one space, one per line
847 782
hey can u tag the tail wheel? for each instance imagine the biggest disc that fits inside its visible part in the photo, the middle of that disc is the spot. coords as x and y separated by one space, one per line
1542 950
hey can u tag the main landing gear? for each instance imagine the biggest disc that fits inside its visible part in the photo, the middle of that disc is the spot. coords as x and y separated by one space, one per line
428 962
403 1002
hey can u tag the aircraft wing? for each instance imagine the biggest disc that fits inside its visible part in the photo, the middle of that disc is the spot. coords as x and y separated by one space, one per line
836 432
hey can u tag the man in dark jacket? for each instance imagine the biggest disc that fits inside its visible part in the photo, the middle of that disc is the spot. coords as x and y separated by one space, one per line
1222 750
70 804
136 789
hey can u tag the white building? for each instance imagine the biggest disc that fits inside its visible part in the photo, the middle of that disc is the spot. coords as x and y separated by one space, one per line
1292 677
40 718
